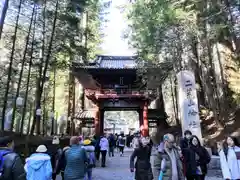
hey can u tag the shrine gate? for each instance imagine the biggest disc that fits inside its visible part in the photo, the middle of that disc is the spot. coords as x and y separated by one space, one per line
112 84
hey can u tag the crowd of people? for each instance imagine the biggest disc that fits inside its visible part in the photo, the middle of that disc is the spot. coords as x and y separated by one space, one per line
73 162
186 160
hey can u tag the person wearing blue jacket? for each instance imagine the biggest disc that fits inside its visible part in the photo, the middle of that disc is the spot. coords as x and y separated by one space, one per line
38 165
76 161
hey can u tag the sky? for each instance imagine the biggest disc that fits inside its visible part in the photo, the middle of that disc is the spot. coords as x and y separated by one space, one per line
113 44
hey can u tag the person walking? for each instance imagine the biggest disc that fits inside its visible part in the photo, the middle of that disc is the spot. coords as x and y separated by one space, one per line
97 147
168 161
63 161
104 148
196 159
135 141
230 159
11 166
76 161
90 156
38 165
121 144
142 165
55 153
112 143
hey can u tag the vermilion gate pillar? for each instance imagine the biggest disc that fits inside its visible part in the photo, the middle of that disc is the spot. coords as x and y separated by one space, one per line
97 122
145 131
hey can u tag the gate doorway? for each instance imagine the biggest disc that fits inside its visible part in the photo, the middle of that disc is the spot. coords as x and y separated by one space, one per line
121 121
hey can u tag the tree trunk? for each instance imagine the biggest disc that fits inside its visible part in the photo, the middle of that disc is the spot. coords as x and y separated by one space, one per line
70 101
36 120
208 75
83 99
28 77
195 63
235 41
10 65
53 100
44 111
86 39
38 82
3 16
22 69
29 118
73 107
174 100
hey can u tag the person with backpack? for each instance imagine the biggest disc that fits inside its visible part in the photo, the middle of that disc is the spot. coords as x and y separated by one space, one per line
104 148
97 147
112 143
89 148
62 163
121 144
55 153
11 166
38 165
76 160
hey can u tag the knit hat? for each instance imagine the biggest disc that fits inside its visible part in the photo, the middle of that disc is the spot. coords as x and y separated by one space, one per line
55 140
168 138
86 142
41 149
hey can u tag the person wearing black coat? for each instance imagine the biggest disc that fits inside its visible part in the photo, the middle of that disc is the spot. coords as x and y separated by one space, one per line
97 147
196 160
55 153
143 164
11 166
62 162
185 142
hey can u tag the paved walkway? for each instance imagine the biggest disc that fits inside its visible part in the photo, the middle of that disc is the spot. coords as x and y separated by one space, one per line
118 169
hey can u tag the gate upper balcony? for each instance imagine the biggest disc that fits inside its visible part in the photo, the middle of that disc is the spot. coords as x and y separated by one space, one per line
109 73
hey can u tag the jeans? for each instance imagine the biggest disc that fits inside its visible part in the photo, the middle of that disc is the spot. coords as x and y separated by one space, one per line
88 175
97 154
121 148
104 153
111 151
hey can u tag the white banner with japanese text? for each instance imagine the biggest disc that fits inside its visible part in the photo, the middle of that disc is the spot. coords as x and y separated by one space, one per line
188 103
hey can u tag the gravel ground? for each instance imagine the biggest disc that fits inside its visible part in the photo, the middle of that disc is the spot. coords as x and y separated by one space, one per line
117 168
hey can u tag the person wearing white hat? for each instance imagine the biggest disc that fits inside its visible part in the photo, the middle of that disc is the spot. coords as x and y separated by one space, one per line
38 165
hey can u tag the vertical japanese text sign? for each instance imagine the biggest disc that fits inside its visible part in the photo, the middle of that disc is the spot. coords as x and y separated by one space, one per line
188 103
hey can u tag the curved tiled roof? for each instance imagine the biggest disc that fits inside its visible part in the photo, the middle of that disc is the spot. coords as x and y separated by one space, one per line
86 114
113 62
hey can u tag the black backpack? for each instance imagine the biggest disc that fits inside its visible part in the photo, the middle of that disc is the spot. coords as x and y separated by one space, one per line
2 154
